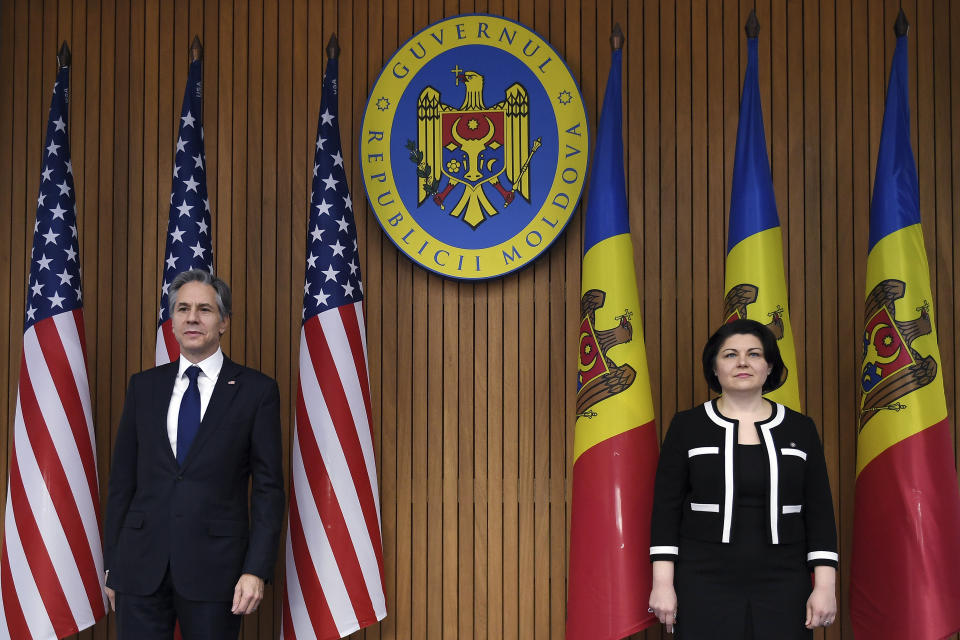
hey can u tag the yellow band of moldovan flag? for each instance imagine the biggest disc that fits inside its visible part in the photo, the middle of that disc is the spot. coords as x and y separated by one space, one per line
755 269
895 343
608 270
755 286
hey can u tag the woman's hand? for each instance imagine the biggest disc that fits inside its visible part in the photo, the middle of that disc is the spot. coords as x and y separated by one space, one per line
822 603
663 597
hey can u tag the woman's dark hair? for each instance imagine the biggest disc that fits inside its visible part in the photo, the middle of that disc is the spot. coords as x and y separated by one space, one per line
771 352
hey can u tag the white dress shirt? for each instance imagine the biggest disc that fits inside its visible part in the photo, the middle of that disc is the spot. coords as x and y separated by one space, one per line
209 371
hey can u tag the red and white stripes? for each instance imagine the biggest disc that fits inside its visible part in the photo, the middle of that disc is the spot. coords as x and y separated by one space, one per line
167 348
334 556
51 571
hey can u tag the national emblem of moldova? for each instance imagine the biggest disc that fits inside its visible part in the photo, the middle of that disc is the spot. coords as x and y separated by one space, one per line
474 147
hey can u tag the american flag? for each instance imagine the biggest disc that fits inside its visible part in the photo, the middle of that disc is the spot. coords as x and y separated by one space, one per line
188 232
334 555
51 570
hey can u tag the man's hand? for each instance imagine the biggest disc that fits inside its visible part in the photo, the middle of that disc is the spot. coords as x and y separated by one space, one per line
247 594
111 594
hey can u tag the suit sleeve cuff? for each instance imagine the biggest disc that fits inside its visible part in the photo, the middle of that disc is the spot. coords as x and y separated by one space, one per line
823 558
664 553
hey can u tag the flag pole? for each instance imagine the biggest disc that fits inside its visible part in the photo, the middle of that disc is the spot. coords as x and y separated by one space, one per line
196 55
617 38
752 26
333 47
63 56
901 26
196 49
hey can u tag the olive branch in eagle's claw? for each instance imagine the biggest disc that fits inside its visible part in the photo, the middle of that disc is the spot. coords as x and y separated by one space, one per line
424 171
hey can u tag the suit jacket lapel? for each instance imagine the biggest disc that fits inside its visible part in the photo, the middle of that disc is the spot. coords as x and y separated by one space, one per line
223 393
166 378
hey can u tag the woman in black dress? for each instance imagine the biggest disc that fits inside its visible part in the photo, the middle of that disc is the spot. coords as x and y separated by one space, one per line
742 512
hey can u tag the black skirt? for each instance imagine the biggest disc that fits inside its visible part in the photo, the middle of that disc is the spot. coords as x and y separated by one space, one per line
747 589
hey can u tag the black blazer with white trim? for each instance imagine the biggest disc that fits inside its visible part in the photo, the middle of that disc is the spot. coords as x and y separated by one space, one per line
695 494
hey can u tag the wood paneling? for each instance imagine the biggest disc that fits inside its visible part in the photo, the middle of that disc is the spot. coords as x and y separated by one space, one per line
472 382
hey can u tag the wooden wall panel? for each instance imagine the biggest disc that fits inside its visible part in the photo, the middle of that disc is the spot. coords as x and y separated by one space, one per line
472 383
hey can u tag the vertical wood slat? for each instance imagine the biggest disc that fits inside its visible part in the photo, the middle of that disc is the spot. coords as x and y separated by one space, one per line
10 246
847 321
471 388
954 177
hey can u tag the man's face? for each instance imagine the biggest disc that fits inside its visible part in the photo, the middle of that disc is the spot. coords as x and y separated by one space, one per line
197 324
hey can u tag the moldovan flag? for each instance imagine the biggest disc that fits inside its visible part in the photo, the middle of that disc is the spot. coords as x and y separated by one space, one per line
615 443
51 570
905 576
755 285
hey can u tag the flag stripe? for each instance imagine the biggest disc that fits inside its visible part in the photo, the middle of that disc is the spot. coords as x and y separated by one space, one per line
60 524
352 318
70 328
314 586
314 518
12 608
906 555
287 631
53 539
82 346
356 386
167 348
35 550
612 503
291 591
61 382
61 456
51 474
338 434
335 527
25 591
353 326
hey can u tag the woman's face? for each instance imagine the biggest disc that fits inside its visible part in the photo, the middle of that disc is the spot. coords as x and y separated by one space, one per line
740 365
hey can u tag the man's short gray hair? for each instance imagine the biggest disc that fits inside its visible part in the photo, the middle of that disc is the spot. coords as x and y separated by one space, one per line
224 298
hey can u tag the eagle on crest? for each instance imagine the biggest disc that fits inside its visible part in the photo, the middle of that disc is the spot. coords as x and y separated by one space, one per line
474 145
598 376
892 367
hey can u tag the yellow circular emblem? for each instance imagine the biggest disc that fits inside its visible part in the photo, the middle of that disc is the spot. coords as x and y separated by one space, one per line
474 147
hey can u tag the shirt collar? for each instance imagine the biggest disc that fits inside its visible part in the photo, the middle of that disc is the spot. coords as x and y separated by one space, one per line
210 366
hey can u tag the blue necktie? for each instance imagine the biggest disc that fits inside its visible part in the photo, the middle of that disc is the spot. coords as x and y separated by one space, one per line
188 422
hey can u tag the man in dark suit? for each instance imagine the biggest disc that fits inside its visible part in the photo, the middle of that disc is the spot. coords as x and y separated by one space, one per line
180 542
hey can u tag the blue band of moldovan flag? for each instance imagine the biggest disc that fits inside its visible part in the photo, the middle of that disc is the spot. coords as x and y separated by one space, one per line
753 207
607 201
896 191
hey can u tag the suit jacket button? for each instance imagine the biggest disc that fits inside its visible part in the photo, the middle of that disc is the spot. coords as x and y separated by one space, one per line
179 476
